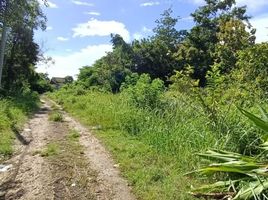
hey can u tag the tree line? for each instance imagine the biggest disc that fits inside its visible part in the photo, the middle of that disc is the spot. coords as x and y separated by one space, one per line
19 53
221 41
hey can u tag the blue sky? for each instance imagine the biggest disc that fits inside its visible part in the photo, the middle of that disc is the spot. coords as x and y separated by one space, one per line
78 31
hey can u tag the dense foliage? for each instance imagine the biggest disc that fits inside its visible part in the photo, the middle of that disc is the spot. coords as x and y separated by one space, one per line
13 113
178 95
221 31
159 100
19 52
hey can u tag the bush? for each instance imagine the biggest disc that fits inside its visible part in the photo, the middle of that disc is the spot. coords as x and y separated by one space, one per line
146 93
252 67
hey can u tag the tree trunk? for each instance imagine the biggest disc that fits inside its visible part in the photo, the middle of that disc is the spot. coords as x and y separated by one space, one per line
2 50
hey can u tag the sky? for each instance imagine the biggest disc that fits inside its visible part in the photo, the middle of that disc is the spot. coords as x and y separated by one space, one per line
78 31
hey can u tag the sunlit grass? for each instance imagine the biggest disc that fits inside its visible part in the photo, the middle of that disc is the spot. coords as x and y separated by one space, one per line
51 149
154 148
56 116
13 114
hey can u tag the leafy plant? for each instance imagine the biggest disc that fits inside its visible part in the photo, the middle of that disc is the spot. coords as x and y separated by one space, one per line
146 93
247 176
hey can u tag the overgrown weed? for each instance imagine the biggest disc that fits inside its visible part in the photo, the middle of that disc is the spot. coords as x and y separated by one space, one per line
14 111
56 116
51 149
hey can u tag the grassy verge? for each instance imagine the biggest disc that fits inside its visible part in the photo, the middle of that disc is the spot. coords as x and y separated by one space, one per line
154 148
13 114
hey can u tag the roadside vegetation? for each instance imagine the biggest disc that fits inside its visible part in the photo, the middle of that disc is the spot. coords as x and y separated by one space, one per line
156 146
160 104
162 100
55 116
14 112
19 82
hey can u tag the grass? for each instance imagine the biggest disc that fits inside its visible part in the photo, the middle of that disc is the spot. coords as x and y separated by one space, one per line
73 135
51 149
154 148
13 114
56 116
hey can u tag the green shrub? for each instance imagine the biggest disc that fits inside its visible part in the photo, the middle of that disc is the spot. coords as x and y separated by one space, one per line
146 93
252 68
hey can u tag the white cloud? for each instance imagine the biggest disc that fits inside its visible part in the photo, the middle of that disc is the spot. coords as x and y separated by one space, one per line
197 1
63 39
51 5
145 32
189 18
70 64
82 3
151 3
138 36
95 27
49 28
260 23
92 13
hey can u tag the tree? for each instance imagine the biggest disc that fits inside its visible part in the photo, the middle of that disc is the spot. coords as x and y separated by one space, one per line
154 56
21 56
40 83
198 48
232 37
252 67
12 13
166 31
109 72
122 51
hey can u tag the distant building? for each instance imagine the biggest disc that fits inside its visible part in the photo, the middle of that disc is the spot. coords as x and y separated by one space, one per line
58 82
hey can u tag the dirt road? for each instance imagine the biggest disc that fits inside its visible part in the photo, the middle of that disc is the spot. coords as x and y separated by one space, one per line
57 158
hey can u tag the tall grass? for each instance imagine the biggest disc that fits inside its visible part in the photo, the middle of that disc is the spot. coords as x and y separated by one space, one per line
155 147
245 177
13 114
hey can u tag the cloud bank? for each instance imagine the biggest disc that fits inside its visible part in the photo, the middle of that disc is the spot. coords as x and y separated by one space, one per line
96 27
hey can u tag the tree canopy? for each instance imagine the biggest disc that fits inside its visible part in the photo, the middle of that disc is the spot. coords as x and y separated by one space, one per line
18 51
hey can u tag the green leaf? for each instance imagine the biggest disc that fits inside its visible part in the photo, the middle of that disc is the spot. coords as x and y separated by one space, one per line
215 186
264 113
259 122
252 189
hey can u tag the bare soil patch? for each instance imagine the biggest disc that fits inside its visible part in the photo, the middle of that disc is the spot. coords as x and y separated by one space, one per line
51 163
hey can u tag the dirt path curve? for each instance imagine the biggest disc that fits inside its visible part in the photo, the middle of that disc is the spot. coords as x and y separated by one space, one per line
80 169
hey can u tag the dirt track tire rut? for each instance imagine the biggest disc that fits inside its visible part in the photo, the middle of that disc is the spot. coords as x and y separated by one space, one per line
81 170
